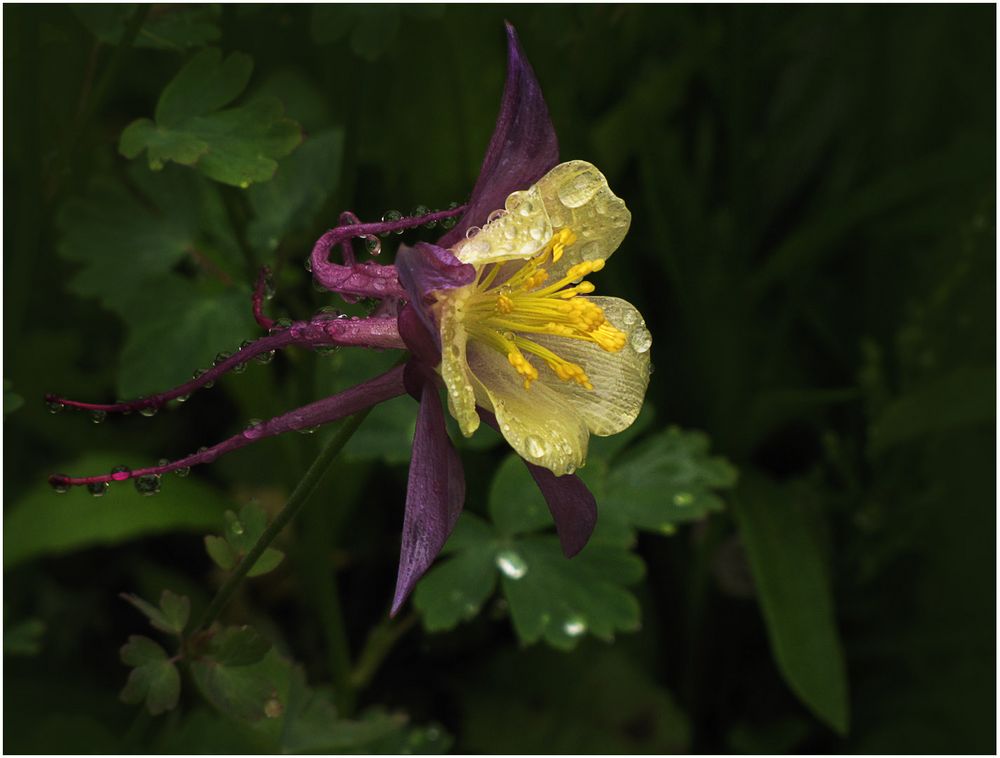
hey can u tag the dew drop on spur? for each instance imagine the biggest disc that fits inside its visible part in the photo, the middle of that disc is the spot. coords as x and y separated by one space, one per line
98 489
55 406
120 473
265 357
148 484
98 417
221 357
149 411
59 483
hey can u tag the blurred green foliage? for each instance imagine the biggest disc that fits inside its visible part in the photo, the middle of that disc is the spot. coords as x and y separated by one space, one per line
813 198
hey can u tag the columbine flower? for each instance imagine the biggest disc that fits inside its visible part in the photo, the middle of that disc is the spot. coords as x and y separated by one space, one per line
499 310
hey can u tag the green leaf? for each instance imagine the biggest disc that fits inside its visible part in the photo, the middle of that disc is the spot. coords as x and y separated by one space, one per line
129 243
594 700
182 329
176 609
221 552
795 596
559 599
154 678
24 638
244 530
172 615
236 146
11 400
387 433
44 522
300 188
516 503
166 27
238 646
269 560
455 590
963 397
667 479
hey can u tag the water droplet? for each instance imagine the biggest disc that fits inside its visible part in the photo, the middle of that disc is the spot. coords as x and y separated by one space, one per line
265 357
283 323
666 528
682 499
496 215
307 264
420 210
536 233
448 223
58 483
245 344
629 318
373 244
244 184
148 484
120 473
511 564
471 232
221 357
183 471
254 429
581 189
235 525
182 398
98 489
148 411
239 368
641 340
389 217
98 417
535 446
575 626
55 406
273 708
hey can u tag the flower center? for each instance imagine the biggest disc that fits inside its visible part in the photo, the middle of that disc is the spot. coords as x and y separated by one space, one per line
526 303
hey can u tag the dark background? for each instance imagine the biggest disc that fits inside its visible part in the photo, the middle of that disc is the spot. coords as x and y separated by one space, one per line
813 200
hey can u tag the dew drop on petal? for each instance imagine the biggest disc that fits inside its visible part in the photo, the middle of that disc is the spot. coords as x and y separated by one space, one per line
120 473
581 189
98 489
641 340
471 232
511 564
535 446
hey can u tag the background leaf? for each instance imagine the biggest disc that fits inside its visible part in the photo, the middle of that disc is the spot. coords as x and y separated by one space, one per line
795 597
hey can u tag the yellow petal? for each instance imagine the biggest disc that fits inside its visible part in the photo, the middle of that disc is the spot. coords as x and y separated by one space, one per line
519 232
619 379
537 423
577 197
454 366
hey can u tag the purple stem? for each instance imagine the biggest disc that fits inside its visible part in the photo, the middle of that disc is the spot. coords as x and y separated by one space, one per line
365 279
320 332
369 393
258 299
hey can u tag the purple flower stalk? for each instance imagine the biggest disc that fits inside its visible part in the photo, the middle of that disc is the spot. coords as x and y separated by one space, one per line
498 311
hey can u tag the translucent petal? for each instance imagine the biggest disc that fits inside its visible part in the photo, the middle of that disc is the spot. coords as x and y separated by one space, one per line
454 366
518 232
540 426
620 379
576 196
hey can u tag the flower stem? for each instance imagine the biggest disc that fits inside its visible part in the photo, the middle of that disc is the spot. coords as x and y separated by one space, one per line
379 644
298 498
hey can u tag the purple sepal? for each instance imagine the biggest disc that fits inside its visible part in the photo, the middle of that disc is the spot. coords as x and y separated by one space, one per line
572 505
415 336
424 269
434 497
523 147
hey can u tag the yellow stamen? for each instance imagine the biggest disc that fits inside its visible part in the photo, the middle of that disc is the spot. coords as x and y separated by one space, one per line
499 315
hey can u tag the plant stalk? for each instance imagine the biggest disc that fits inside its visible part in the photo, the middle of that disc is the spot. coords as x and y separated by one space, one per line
298 499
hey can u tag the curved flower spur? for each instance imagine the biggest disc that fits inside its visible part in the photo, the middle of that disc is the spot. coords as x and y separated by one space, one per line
499 311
